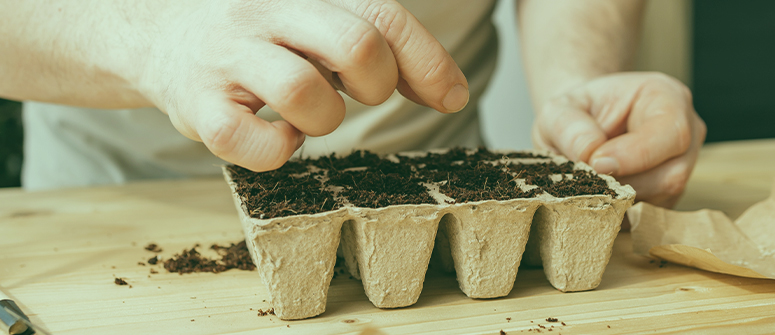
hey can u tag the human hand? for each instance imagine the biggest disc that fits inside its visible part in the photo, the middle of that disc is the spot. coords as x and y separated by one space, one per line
639 127
214 64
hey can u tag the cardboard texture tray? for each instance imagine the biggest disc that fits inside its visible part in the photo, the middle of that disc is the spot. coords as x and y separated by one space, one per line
389 248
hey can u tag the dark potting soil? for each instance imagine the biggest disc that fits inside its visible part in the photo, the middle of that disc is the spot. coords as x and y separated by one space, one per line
282 192
373 182
373 188
234 256
364 179
483 182
583 183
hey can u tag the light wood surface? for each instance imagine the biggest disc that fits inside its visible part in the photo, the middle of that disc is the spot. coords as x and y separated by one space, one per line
60 252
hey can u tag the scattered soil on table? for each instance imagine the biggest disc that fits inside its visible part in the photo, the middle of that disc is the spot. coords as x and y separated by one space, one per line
234 256
153 247
262 312
551 319
120 281
364 179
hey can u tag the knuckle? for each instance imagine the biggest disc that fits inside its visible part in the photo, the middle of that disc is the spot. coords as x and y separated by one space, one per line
361 43
390 18
432 69
296 88
436 71
220 135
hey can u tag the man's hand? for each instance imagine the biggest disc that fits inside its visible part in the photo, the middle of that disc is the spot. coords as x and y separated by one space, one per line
639 127
211 64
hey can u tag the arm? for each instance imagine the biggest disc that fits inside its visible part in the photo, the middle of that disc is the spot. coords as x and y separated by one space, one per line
566 43
640 127
75 52
211 64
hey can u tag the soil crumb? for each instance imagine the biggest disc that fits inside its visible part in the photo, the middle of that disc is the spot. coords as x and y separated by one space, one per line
262 312
153 247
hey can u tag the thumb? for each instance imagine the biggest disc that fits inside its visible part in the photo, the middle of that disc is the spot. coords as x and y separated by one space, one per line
565 125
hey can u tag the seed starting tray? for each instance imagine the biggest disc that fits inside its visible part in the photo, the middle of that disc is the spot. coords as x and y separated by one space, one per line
387 214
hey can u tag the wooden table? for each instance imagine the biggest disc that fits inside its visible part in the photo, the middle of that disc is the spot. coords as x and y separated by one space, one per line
60 252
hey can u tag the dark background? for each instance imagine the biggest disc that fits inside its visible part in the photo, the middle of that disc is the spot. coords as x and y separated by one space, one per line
734 68
10 143
733 78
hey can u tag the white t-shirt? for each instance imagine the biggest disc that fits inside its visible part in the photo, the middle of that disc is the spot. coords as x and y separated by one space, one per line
71 146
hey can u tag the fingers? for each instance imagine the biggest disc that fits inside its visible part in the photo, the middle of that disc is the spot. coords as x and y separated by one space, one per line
565 125
422 61
291 86
664 184
343 43
644 147
659 128
232 132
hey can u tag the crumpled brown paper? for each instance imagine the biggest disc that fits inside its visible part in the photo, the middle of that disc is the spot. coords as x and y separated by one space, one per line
708 239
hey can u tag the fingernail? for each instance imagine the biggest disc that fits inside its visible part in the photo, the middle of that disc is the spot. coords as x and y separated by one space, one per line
605 165
456 98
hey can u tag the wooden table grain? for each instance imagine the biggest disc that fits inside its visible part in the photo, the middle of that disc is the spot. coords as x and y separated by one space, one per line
61 250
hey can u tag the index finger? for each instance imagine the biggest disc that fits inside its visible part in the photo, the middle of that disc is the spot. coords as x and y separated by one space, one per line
422 61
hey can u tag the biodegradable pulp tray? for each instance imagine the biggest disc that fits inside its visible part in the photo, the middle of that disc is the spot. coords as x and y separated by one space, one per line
389 248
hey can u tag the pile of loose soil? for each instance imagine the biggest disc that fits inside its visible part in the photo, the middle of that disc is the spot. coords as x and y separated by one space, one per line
234 256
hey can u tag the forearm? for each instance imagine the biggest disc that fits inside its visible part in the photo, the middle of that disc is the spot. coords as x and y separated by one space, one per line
87 53
565 43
